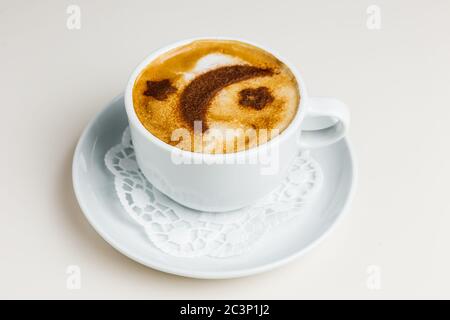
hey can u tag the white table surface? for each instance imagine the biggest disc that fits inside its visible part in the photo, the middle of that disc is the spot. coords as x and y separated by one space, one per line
396 81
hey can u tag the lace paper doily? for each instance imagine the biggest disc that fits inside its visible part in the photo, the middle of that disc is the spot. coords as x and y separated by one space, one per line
183 232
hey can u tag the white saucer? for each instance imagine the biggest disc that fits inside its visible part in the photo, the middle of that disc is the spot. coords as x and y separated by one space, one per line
94 189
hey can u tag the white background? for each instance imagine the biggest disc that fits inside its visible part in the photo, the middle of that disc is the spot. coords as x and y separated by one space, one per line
396 81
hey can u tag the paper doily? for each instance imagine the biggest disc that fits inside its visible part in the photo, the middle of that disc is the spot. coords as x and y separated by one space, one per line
183 232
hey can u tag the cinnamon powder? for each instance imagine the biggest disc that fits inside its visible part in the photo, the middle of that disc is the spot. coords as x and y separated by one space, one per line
255 98
197 95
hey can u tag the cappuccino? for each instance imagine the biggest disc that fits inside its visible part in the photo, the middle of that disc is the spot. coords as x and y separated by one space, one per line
216 96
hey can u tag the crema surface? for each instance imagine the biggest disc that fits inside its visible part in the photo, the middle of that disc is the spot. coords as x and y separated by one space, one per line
216 96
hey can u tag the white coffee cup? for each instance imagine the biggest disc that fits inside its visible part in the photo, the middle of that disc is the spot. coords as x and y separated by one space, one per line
221 182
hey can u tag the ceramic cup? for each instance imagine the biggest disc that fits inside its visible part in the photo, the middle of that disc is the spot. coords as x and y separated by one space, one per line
224 182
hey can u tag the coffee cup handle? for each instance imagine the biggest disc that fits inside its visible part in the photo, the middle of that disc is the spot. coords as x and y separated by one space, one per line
326 122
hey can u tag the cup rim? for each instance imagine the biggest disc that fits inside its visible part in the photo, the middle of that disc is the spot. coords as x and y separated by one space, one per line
292 128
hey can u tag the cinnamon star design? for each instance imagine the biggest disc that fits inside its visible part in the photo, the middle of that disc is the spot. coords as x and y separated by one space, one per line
159 90
255 98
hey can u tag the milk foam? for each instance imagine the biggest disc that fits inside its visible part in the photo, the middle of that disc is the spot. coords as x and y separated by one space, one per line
209 62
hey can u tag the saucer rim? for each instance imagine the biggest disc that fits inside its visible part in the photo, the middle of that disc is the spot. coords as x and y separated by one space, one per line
229 274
